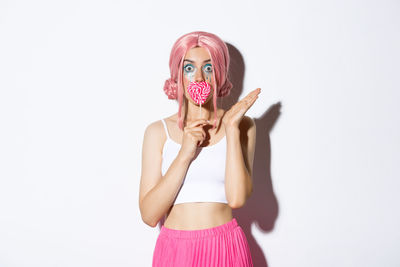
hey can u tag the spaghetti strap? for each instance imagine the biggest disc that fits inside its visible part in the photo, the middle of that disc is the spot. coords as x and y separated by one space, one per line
165 128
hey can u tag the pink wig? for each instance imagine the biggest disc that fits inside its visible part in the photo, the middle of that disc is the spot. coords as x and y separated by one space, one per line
218 51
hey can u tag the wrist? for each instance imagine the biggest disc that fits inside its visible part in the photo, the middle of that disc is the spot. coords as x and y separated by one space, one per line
232 130
182 158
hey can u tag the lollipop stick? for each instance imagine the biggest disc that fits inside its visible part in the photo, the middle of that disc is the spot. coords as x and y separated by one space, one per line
200 110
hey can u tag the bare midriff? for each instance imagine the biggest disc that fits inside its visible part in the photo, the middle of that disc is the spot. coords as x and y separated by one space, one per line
198 215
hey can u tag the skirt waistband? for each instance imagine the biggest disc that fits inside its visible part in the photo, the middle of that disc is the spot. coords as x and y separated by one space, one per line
199 233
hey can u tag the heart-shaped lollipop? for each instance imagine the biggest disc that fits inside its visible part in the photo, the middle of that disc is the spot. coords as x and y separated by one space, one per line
199 91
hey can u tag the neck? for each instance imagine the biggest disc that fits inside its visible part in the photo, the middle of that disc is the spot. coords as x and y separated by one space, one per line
193 111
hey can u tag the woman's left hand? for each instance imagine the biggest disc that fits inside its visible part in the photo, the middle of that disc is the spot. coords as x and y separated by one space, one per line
235 114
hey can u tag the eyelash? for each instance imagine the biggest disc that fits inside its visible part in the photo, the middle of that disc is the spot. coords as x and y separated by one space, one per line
204 68
208 65
188 65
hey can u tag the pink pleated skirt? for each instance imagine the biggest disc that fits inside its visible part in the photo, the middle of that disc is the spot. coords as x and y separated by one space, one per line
223 246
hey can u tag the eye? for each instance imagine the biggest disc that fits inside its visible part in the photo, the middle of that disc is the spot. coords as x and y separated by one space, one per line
208 68
188 68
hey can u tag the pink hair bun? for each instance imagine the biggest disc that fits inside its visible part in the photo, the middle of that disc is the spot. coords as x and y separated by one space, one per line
225 89
171 89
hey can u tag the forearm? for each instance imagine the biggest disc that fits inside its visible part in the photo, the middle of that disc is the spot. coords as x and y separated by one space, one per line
237 178
160 198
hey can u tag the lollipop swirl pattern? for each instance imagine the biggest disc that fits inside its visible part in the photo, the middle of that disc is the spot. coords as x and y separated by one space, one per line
199 91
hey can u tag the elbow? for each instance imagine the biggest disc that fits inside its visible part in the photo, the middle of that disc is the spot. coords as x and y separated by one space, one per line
149 222
236 204
240 201
152 225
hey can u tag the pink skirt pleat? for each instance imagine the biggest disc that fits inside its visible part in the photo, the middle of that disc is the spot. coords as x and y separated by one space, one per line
221 246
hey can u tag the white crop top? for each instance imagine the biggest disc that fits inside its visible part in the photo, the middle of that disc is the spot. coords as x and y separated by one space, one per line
205 178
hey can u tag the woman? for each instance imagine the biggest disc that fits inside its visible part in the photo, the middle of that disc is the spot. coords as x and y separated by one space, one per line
197 164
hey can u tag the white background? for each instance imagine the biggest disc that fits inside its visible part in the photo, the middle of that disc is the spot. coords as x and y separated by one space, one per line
80 81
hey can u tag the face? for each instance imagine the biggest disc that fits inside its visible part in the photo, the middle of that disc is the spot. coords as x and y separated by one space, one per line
197 67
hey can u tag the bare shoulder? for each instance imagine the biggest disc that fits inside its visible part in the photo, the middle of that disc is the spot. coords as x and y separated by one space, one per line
153 129
154 126
154 134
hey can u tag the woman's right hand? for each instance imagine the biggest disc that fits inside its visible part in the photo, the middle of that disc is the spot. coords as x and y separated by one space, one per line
193 136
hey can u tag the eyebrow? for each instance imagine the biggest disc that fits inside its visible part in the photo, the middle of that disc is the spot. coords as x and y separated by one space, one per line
207 60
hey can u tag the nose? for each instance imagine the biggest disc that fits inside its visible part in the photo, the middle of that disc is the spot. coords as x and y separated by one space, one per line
199 76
